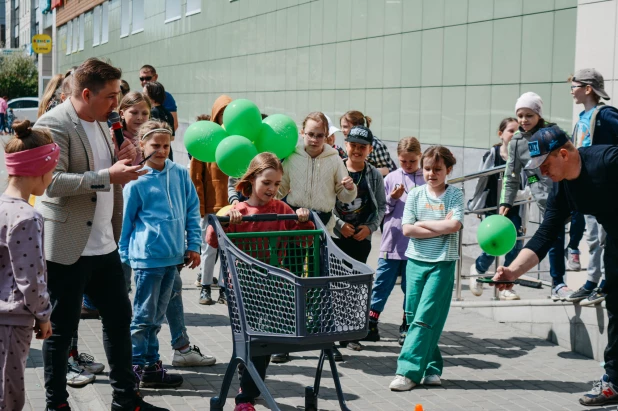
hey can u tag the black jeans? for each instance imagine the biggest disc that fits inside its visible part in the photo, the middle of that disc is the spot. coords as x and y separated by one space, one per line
249 391
610 258
358 250
101 277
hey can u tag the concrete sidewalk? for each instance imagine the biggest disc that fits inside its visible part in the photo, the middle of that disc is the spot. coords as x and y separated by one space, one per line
488 366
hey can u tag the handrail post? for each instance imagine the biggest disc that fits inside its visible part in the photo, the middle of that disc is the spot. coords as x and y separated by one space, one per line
497 259
460 260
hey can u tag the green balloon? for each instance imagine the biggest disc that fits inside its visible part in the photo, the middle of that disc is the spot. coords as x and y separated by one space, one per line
279 136
496 235
234 154
202 138
242 117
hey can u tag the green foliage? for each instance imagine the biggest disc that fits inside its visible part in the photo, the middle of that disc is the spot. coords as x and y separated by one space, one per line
18 76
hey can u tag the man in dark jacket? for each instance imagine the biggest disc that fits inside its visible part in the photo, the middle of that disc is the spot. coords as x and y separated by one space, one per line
584 181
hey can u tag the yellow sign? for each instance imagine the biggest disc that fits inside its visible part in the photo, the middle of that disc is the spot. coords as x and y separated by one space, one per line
41 44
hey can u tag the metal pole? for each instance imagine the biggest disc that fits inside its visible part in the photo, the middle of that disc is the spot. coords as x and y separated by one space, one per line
497 259
460 260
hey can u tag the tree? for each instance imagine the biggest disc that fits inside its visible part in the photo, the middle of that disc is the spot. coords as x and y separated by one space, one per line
18 76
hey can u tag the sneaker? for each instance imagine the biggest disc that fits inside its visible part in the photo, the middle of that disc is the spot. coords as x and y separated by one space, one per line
280 358
245 406
374 333
198 282
337 354
579 295
403 332
572 263
86 362
222 298
476 288
596 297
205 296
603 392
560 292
88 314
192 358
155 376
509 295
352 345
432 379
76 377
401 383
134 404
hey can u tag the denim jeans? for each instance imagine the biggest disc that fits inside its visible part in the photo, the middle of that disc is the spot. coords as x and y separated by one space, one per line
556 260
153 288
484 261
386 277
176 315
596 244
576 233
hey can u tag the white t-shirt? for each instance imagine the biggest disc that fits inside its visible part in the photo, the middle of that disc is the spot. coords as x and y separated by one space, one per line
101 240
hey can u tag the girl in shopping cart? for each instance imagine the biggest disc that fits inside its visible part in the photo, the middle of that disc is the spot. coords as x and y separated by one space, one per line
260 184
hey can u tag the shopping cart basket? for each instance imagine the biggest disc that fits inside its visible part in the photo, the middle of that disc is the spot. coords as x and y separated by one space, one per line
290 291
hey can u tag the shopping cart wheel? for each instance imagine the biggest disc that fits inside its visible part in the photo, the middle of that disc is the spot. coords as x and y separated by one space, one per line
311 400
216 404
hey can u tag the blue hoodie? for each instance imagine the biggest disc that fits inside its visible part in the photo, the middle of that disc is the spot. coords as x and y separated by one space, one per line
159 208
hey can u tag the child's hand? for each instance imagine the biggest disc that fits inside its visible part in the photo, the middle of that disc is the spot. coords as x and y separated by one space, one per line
43 330
235 216
348 183
449 215
347 230
362 232
303 215
194 259
397 192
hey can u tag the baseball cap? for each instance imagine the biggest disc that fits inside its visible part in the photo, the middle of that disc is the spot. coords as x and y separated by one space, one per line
592 78
543 142
361 135
331 129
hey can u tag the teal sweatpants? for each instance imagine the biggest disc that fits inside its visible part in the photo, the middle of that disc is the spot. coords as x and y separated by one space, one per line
429 288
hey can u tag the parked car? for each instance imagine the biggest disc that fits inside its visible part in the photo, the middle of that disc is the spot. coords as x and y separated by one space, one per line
25 108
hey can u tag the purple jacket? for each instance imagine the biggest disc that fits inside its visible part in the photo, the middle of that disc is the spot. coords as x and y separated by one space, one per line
394 243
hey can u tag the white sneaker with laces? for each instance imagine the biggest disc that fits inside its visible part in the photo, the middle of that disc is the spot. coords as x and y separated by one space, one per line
476 288
509 295
86 362
401 383
76 377
560 292
432 379
192 358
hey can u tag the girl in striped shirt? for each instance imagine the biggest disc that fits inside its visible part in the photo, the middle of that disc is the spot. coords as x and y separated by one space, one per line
432 218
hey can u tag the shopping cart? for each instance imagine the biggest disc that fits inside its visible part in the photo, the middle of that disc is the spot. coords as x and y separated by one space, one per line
290 291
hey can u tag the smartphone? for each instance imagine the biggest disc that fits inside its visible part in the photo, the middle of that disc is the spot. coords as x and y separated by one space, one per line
486 280
146 159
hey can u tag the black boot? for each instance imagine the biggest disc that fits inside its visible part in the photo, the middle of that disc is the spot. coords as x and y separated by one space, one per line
60 407
374 333
135 403
155 376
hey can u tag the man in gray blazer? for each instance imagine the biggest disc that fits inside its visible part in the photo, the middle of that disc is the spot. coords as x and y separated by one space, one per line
82 209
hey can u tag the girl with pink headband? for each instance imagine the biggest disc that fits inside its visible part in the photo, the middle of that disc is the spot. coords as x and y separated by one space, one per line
31 157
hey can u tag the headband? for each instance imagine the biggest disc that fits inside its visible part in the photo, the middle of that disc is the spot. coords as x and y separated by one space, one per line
157 130
34 162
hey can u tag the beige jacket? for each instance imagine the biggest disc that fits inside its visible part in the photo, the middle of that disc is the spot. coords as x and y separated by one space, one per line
69 202
315 183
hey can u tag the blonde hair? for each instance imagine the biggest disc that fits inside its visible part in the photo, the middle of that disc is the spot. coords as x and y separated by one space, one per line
133 98
258 165
409 145
356 118
52 91
318 117
144 132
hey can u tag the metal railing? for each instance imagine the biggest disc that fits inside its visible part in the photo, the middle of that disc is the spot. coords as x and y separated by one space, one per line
526 203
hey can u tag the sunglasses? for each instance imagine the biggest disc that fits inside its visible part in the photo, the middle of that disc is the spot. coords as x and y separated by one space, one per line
148 78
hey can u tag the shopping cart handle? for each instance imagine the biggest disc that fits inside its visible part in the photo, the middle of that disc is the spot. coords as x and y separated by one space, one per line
261 217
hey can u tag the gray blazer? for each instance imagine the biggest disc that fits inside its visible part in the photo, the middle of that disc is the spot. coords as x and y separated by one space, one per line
69 202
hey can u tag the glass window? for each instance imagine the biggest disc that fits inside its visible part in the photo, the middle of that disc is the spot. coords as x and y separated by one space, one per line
124 18
69 37
75 35
96 26
81 31
104 22
172 10
194 7
138 16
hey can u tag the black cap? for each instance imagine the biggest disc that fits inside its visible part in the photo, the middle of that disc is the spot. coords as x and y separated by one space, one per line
543 142
361 135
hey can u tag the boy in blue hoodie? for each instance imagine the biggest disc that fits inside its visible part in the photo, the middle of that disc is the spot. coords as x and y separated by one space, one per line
159 210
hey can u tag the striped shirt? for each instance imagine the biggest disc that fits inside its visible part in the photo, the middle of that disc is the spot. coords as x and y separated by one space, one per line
423 206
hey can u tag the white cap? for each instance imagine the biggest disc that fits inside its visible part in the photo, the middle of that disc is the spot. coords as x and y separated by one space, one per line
331 129
531 101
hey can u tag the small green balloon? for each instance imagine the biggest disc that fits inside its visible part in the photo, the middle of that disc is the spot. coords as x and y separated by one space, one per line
279 136
242 117
202 138
234 154
496 235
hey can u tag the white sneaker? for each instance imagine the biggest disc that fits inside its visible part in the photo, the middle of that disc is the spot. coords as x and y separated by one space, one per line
432 379
192 358
401 383
509 295
76 377
475 287
86 362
